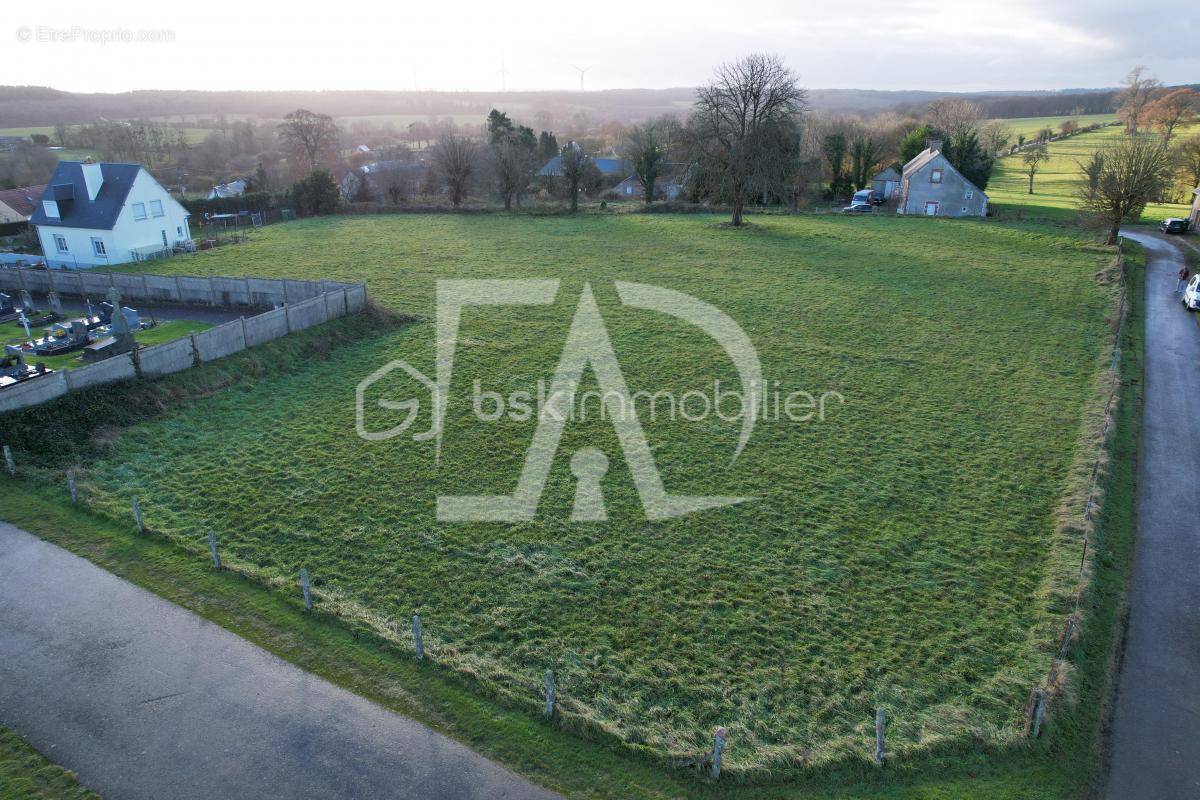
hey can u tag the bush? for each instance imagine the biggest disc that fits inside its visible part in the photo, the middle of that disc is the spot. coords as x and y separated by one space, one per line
253 201
315 195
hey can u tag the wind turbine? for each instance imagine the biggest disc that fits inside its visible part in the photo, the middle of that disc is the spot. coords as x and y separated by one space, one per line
581 73
503 72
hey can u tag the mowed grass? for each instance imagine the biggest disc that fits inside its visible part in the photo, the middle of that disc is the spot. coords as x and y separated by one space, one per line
902 553
1057 183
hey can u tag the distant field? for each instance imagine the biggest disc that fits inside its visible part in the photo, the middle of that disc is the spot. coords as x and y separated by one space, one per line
1031 125
1058 180
901 553
193 135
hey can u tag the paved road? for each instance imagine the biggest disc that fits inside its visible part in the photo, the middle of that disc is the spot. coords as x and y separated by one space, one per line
1156 727
146 700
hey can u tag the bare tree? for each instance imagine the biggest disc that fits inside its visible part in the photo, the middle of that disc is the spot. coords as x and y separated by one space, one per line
1135 171
645 151
310 136
454 158
577 166
513 164
1033 159
736 122
1173 110
995 137
1133 99
394 180
954 118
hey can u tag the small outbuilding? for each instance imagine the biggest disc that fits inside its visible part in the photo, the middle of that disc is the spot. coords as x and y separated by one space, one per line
886 183
930 186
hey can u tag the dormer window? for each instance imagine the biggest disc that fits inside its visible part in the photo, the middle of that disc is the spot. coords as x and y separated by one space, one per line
156 208
935 176
970 193
139 210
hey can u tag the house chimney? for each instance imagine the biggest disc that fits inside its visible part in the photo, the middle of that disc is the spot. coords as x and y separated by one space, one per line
93 178
933 144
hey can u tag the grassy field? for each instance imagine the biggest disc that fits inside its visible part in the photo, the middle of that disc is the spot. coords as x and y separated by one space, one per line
26 775
1029 126
1058 180
903 552
12 333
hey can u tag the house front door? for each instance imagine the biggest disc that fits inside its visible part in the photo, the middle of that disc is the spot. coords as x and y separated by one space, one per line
931 208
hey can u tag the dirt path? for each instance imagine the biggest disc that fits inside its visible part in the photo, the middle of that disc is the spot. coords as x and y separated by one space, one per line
1156 727
143 699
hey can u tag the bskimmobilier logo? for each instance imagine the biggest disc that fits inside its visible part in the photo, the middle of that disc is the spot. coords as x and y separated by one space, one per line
587 345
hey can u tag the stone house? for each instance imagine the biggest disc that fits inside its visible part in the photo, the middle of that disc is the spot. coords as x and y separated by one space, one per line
886 182
932 187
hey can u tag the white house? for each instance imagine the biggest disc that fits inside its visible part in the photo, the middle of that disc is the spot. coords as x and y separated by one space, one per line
101 214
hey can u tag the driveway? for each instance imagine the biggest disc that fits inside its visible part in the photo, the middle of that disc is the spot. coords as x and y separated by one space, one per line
1156 727
143 699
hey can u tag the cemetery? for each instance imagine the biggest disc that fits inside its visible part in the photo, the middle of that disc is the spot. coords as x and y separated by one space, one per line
110 340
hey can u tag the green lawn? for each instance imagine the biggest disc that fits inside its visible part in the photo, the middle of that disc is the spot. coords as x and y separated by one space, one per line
12 333
27 775
902 553
1057 182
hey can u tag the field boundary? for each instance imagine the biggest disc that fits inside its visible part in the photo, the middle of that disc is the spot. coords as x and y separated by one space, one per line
1077 519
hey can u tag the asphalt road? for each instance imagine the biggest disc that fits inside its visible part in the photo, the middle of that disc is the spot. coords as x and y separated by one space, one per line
1156 727
143 699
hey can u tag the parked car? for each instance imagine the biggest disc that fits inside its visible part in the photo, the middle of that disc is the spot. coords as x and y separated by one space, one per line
1191 294
858 208
1174 225
868 197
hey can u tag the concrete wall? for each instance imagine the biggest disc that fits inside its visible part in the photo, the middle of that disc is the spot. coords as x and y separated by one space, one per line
32 392
217 291
221 341
318 302
163 359
117 368
266 327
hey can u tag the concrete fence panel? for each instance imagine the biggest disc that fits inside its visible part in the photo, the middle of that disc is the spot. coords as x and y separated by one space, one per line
117 368
266 327
231 291
36 280
131 287
306 314
95 284
301 290
335 304
356 298
34 391
161 288
266 291
197 291
221 341
166 358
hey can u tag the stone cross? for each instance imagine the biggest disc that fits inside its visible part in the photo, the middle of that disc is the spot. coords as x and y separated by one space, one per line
549 693
9 464
718 748
24 320
212 546
418 644
306 588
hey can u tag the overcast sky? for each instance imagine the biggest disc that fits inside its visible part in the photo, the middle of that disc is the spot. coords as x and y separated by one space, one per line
461 44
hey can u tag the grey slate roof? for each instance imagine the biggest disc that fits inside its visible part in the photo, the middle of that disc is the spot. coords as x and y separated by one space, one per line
75 210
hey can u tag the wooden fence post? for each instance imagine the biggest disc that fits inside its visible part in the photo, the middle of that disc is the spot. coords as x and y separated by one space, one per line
549 693
212 547
418 645
718 749
9 464
880 722
306 588
1039 711
137 514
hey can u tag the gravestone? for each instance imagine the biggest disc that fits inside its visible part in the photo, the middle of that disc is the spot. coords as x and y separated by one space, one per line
26 301
55 303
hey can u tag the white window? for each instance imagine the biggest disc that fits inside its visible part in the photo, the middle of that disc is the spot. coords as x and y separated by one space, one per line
60 243
156 208
970 193
98 247
935 176
139 210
